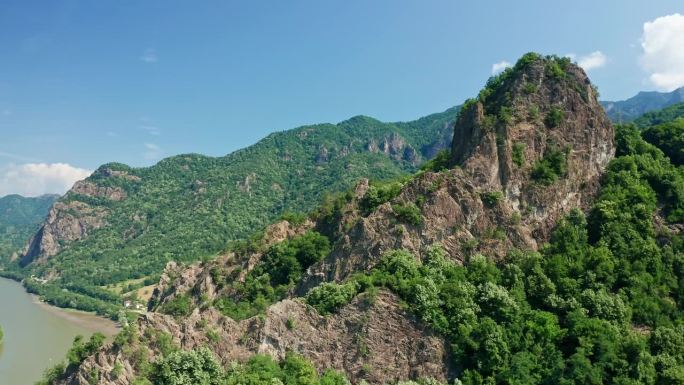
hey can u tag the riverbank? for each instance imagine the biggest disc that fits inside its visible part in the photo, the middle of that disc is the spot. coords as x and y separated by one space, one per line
38 335
85 320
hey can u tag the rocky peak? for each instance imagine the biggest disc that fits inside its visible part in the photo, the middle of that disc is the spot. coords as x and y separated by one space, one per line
537 133
529 149
541 105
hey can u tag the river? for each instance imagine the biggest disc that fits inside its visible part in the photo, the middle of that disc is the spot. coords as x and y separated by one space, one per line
37 336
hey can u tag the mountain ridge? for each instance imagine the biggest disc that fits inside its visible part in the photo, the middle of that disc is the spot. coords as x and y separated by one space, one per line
645 101
120 213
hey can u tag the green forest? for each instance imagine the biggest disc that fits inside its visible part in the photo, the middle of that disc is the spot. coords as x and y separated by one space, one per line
190 207
601 303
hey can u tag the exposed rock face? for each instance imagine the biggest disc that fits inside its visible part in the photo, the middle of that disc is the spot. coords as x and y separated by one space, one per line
396 148
490 202
486 153
177 280
66 222
371 338
71 218
92 190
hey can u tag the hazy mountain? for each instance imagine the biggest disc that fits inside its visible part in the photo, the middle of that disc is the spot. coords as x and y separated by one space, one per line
641 103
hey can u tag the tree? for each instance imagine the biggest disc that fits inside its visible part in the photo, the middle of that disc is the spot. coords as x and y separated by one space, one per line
194 367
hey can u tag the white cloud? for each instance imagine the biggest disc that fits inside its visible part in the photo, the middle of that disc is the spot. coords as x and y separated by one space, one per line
152 151
500 66
33 179
6 112
662 43
112 134
149 56
152 130
596 59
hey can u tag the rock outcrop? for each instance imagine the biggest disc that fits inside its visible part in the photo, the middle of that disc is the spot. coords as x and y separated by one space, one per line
67 221
73 217
529 150
532 147
372 338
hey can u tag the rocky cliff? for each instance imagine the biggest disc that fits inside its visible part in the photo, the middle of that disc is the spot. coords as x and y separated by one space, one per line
530 148
72 218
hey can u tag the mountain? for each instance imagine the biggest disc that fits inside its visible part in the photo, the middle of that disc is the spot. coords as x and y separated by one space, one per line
19 219
665 115
116 230
545 248
643 102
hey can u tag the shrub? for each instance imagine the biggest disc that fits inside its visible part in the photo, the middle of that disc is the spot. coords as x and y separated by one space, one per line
439 163
556 68
551 167
179 306
491 198
378 194
309 248
294 218
330 297
554 117
518 154
80 350
213 336
529 88
533 112
409 213
194 367
506 114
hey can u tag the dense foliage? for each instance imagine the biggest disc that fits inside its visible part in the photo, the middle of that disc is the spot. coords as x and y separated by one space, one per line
665 115
199 367
173 366
280 268
669 137
551 167
190 206
600 304
19 219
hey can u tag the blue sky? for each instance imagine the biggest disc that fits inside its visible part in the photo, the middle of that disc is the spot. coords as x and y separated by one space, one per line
87 82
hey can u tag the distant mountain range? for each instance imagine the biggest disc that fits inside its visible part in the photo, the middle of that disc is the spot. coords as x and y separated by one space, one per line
641 103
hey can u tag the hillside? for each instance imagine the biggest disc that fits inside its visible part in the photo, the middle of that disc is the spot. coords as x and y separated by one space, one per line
19 219
665 115
529 255
115 231
632 108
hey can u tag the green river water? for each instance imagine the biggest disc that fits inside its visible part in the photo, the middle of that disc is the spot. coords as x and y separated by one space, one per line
37 336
